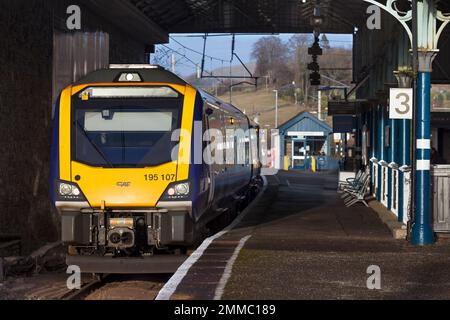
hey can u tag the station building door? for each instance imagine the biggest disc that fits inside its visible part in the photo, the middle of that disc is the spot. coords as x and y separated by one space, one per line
300 152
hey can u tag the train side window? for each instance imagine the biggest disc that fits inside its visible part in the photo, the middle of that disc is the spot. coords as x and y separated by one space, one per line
229 139
238 146
236 159
242 145
225 121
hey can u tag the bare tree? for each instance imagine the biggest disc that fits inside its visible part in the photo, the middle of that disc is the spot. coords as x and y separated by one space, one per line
272 59
298 49
338 62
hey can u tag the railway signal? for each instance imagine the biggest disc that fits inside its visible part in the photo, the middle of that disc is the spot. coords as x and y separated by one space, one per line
315 78
315 50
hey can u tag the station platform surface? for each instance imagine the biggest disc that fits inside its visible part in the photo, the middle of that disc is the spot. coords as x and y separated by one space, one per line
305 244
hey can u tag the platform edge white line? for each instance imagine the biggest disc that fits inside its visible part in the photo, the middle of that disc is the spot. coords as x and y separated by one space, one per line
170 287
229 268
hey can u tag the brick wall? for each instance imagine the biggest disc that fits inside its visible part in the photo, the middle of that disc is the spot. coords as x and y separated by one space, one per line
25 92
26 43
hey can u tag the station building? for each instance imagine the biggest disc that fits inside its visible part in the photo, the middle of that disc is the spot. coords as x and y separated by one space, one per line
302 138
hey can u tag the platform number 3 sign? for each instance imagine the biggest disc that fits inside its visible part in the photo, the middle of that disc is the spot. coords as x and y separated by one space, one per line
401 103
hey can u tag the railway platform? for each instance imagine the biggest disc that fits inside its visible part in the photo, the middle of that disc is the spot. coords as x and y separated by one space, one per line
303 243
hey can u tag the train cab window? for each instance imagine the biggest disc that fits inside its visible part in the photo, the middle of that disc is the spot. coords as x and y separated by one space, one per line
125 133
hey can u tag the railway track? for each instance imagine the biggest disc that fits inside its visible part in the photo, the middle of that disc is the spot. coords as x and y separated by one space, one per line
85 290
127 287
110 287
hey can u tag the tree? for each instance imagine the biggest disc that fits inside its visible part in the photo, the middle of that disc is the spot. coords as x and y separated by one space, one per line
338 58
298 48
272 59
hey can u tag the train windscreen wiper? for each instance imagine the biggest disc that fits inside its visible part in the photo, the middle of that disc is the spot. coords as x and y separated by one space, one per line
100 152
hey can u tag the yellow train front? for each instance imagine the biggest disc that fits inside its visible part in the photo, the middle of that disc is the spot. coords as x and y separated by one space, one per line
128 175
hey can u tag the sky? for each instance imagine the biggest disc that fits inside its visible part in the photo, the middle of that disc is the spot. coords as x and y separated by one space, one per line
219 47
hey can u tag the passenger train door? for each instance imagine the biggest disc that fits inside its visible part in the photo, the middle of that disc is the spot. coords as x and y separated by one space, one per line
210 168
215 119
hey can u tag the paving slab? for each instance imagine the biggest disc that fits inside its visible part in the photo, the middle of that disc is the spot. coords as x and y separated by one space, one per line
305 244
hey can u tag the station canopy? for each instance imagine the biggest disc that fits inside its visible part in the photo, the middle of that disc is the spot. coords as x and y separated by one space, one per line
253 16
271 17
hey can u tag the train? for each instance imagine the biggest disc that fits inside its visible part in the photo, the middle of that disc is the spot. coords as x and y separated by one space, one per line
131 178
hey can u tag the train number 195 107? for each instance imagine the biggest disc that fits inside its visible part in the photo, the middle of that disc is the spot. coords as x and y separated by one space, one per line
157 177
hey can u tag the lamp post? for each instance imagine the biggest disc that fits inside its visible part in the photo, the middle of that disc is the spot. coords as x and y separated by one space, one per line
319 104
276 108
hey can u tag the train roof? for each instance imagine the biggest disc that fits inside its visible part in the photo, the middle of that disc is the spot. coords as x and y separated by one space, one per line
147 73
215 100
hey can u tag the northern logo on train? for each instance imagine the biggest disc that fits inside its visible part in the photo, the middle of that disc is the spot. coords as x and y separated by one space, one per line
122 184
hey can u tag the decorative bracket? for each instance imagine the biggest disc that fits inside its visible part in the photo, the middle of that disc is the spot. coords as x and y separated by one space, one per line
445 19
428 16
391 8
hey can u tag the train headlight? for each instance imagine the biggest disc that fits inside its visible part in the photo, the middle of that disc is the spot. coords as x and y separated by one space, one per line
75 191
69 191
182 189
171 192
65 189
177 191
